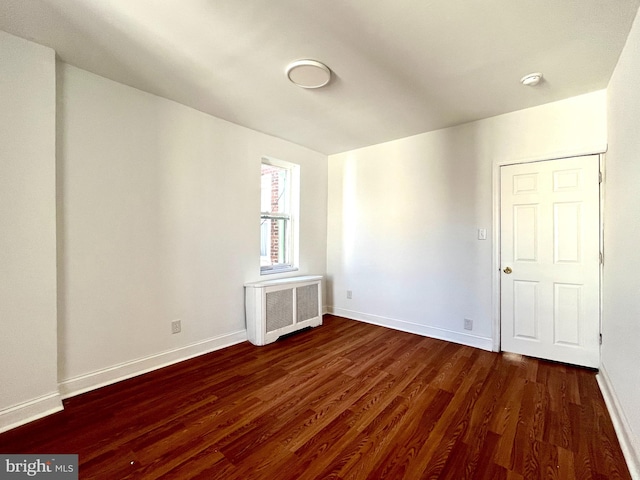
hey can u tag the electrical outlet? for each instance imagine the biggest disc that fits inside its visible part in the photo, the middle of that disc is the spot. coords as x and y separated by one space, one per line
349 294
468 324
176 326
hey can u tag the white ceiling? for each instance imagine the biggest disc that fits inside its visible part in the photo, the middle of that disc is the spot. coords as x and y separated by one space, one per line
401 67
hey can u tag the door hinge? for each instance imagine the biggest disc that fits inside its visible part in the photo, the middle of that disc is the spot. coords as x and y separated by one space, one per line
601 258
600 339
599 177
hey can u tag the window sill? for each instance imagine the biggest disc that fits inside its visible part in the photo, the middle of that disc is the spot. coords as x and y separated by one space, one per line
273 271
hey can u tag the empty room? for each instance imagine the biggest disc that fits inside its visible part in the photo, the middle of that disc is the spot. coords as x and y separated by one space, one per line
310 240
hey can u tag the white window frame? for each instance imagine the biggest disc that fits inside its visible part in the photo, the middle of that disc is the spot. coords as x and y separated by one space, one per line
293 200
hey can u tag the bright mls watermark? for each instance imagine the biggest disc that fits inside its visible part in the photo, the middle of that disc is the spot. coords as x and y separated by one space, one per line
53 467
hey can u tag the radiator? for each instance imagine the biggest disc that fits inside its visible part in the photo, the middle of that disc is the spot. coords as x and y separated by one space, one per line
278 307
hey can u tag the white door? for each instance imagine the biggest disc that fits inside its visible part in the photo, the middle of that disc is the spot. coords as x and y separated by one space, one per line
550 260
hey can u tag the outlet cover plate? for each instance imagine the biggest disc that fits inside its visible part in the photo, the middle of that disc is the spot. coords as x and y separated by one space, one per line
176 326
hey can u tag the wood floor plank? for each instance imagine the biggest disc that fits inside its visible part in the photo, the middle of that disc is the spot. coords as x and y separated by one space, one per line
346 400
415 433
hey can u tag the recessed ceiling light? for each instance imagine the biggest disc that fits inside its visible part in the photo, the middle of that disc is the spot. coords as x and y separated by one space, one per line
308 73
531 80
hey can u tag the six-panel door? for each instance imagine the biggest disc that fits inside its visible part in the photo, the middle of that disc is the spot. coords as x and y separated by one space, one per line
550 244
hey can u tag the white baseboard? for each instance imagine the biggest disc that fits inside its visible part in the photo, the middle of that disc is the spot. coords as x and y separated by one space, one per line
483 343
26 412
629 444
107 376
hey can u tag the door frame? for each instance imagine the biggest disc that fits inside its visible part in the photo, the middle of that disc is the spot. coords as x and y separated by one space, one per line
496 260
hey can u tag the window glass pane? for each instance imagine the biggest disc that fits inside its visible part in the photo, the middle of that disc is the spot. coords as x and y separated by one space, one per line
265 236
278 180
274 193
265 191
273 241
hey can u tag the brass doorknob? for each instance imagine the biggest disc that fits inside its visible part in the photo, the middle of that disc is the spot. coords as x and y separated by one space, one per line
507 270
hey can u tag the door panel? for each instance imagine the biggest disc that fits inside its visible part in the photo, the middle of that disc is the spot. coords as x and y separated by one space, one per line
525 312
525 218
566 313
550 240
567 232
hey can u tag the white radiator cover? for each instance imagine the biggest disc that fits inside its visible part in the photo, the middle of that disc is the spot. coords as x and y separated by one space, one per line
277 307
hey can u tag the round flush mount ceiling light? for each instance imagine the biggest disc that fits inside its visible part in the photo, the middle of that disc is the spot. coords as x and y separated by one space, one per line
531 80
308 73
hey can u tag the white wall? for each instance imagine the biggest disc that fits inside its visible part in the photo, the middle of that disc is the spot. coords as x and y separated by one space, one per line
28 346
403 216
159 220
621 323
151 212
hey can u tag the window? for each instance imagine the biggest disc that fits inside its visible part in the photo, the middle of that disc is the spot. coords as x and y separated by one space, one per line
278 211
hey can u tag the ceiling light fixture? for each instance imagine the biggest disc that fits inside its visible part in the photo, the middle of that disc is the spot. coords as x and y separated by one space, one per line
531 80
308 73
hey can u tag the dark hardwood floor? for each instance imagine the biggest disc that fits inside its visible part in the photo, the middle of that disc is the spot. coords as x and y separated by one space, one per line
343 401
